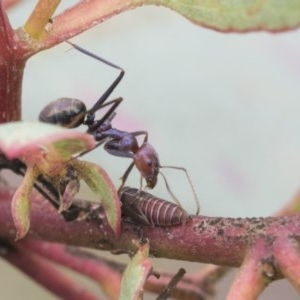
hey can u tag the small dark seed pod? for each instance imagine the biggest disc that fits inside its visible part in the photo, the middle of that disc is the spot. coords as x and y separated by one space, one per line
66 112
145 209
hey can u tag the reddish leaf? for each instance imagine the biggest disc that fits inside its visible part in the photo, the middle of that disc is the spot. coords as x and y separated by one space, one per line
20 205
35 142
100 183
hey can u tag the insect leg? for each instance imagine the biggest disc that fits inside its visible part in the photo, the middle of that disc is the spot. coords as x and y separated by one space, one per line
110 89
125 175
141 132
191 184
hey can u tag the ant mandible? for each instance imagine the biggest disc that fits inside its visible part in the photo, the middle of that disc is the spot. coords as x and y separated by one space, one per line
70 113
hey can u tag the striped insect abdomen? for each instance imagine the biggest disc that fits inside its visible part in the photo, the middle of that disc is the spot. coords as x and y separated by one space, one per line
146 209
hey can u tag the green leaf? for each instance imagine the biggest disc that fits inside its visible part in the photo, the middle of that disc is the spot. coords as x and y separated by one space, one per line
237 15
100 183
20 205
136 274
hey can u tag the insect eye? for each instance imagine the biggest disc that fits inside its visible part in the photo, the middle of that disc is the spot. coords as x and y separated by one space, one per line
149 162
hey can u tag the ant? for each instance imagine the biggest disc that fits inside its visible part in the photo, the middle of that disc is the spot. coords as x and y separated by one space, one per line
71 113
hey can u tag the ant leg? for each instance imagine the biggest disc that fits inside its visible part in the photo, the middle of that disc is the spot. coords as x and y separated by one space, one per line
109 115
121 143
141 183
137 133
170 191
87 151
110 89
191 185
92 125
113 147
125 176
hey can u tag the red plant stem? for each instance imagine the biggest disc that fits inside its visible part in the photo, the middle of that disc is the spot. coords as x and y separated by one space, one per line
9 3
11 72
104 273
108 274
288 258
47 275
82 16
250 280
203 239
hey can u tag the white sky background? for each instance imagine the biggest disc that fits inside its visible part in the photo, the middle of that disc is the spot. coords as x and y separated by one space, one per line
225 106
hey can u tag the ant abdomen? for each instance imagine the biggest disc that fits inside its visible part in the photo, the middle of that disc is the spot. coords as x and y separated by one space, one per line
145 209
66 112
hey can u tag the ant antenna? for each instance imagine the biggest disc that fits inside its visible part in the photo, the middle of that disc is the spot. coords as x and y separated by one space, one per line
191 185
169 189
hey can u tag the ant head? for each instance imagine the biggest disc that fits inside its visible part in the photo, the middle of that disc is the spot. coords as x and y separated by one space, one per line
147 162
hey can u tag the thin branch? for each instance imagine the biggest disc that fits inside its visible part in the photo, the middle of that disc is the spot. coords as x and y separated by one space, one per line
46 274
254 274
37 21
82 16
185 289
200 285
107 274
287 255
73 21
167 291
207 277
